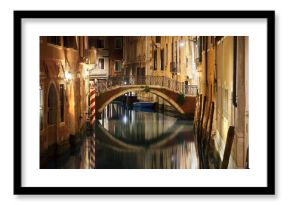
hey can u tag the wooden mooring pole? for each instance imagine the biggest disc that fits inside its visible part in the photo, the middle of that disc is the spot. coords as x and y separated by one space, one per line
228 148
210 123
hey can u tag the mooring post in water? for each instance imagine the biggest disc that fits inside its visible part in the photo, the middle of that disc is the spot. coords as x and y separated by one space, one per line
103 116
228 148
199 134
202 116
198 118
247 159
210 122
207 115
199 112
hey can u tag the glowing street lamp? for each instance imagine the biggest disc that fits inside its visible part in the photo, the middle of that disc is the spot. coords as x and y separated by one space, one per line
68 76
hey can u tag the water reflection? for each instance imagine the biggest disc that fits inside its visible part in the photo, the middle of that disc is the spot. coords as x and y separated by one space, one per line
77 156
144 139
178 156
132 139
140 126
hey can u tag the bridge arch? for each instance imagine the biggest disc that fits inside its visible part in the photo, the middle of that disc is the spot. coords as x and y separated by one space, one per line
123 145
127 89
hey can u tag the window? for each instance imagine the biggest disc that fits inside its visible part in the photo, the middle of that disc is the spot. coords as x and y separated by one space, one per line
100 43
219 107
166 55
118 43
212 40
198 50
172 63
92 42
155 60
61 95
52 105
158 39
54 40
101 63
225 103
204 39
162 58
69 42
41 108
118 66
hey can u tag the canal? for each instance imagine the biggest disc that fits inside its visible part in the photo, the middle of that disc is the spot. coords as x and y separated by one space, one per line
136 138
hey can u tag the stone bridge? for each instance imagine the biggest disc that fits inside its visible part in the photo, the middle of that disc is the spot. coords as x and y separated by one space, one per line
163 87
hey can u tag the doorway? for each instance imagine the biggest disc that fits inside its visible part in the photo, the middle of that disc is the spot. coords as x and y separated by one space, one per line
52 115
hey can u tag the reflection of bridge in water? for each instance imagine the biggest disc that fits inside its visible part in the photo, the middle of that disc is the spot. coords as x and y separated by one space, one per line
165 153
156 143
139 130
166 88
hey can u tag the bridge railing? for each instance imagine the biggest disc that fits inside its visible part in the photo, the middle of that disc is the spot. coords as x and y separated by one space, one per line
162 81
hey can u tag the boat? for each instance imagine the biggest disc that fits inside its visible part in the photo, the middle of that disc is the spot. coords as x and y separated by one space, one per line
143 104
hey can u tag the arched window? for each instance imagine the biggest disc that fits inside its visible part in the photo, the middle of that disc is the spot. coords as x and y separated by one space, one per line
52 105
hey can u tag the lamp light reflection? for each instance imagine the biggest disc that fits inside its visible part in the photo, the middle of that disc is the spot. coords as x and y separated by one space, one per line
125 119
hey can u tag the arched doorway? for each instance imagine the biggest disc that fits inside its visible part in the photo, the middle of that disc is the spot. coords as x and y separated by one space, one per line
52 115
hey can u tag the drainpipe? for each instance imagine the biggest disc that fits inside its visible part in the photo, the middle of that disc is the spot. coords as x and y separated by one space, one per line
235 73
205 60
146 70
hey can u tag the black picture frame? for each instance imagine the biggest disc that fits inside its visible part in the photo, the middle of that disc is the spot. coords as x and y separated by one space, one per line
269 16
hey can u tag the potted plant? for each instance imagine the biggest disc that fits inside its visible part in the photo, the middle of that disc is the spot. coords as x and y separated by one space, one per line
180 98
146 89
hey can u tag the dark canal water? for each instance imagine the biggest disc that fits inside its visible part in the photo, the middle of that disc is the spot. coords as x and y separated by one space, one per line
134 139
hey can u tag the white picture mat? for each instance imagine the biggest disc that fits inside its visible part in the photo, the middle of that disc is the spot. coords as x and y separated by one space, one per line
255 29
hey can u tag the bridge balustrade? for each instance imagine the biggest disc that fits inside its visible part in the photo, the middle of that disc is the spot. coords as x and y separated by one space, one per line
148 80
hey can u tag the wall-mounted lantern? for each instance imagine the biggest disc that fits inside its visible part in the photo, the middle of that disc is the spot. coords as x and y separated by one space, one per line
68 76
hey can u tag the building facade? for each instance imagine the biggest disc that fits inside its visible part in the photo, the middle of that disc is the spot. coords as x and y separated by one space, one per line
63 89
115 56
164 56
222 65
169 56
217 65
107 52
